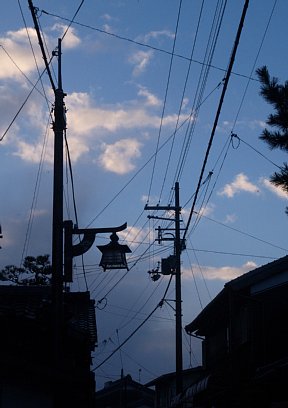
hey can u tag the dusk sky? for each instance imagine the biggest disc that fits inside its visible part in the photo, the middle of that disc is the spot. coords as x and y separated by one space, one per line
144 80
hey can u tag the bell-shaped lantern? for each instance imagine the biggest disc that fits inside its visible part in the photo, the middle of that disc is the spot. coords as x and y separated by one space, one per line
114 254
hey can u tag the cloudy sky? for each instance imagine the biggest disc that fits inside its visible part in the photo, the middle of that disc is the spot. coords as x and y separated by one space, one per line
143 81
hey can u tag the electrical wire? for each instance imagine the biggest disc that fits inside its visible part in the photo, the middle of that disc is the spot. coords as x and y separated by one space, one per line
232 58
233 136
136 330
231 253
255 150
119 37
24 75
73 18
19 110
35 197
209 53
74 199
254 65
182 99
244 233
165 100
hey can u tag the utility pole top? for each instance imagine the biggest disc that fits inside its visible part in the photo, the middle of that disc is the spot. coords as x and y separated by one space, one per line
178 301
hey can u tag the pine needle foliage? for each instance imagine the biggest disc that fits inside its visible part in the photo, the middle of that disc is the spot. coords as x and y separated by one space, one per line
276 136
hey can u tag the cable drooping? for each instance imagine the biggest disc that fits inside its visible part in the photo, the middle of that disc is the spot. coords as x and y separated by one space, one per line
197 103
73 18
232 59
182 99
165 100
119 37
137 328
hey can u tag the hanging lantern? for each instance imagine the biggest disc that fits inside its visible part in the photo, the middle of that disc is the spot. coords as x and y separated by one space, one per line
114 254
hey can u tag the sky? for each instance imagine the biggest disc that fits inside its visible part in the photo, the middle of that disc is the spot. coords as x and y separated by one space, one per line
143 83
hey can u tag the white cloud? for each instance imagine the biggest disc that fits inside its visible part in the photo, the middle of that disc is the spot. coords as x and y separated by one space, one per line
204 211
133 236
230 218
185 103
15 47
16 53
224 273
240 183
71 40
279 191
32 152
207 210
40 212
140 60
107 17
159 34
251 124
118 157
154 200
85 124
151 100
84 118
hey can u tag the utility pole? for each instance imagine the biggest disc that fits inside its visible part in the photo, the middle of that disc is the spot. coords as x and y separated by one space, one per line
178 296
59 126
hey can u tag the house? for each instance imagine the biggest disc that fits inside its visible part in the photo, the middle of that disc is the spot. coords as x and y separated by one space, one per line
124 393
245 337
29 376
165 385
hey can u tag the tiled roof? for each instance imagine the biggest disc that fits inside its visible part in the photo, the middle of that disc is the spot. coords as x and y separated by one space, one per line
257 275
34 303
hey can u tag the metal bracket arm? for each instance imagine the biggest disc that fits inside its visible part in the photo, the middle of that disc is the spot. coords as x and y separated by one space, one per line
89 235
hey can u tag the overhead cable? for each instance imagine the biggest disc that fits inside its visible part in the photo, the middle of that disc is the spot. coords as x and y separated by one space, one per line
232 59
160 304
165 98
139 43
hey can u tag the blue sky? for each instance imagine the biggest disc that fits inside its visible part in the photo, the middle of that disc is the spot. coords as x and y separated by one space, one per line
126 96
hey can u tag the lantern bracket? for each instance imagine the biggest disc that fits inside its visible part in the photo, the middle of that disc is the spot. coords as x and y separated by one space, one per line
89 235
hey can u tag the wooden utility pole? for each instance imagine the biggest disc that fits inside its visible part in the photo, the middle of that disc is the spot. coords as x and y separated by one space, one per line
59 126
178 296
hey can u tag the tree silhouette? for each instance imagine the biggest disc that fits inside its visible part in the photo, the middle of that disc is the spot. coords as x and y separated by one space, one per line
277 95
35 271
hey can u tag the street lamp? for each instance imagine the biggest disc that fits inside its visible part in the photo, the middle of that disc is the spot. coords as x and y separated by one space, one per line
113 254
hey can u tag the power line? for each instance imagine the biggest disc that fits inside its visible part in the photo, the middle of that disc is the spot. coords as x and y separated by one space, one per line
135 331
253 67
218 110
73 18
230 253
233 135
165 98
119 37
244 233
182 99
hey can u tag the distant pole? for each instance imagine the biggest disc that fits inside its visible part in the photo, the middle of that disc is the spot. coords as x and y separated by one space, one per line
178 299
179 358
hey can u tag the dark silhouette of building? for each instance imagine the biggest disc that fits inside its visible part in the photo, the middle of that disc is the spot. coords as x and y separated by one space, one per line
28 373
165 385
124 393
245 337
